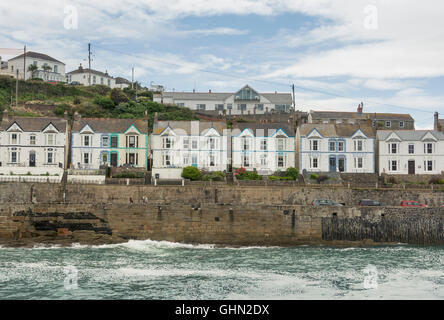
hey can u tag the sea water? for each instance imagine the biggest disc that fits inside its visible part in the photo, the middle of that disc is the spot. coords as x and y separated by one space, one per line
164 270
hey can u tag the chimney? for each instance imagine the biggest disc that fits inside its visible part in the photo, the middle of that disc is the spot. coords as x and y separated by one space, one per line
436 121
77 116
80 67
209 91
5 115
360 107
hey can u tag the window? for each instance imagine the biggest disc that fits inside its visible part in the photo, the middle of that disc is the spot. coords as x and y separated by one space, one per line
280 161
358 145
131 158
101 80
314 163
86 142
167 143
86 158
282 107
186 143
14 157
332 146
50 139
259 107
373 123
212 162
181 104
104 158
429 165
394 165
242 106
401 124
229 106
94 79
219 107
32 140
132 142
186 159
263 160
50 157
264 145
201 107
194 144
212 143
281 145
341 146
246 160
411 148
105 141
56 68
388 124
314 145
113 142
358 163
166 160
247 94
245 143
14 138
394 148
428 148
194 159
109 83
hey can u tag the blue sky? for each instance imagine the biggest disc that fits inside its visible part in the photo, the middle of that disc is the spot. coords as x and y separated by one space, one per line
388 54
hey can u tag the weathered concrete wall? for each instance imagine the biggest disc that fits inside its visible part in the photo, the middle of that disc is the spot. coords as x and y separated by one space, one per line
219 224
91 194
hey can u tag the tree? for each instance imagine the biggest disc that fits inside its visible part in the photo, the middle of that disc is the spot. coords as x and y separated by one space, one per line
118 96
32 68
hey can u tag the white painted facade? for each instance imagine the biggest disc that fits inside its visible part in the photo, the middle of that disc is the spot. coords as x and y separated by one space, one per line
82 76
348 154
264 150
245 101
55 73
414 152
174 149
32 152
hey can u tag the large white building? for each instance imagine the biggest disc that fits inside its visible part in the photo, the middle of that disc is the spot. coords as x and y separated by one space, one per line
83 75
344 148
244 101
410 152
109 142
48 68
265 147
179 144
33 145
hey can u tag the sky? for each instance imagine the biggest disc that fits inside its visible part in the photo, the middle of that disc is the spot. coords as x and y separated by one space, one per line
388 54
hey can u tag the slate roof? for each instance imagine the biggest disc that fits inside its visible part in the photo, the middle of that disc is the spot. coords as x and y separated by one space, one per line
83 70
34 124
120 80
108 125
441 123
275 98
325 115
36 55
186 126
336 130
265 129
409 135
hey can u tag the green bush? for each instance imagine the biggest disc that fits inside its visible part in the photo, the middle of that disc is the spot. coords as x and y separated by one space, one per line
314 176
249 175
292 173
118 97
130 175
104 102
191 173
436 180
214 176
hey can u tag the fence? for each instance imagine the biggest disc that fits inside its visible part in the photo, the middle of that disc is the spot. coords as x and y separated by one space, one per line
31 179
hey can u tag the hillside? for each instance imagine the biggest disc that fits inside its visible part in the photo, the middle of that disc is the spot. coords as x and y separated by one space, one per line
37 98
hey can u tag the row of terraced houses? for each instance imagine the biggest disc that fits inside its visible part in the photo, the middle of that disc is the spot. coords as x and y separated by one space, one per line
330 142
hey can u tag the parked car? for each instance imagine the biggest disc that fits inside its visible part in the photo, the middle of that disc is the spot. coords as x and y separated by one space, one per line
75 83
369 203
324 202
407 203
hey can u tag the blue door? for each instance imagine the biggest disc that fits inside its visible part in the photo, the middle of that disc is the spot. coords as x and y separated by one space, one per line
332 164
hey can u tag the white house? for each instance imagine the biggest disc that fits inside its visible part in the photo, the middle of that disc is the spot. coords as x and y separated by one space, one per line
108 142
83 75
178 144
336 148
244 101
265 147
122 83
48 68
410 152
33 145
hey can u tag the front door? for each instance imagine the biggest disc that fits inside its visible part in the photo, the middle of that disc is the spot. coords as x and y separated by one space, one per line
412 167
113 160
332 164
32 159
341 165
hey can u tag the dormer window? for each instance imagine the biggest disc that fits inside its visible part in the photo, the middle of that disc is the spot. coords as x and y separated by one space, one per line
14 138
167 143
388 124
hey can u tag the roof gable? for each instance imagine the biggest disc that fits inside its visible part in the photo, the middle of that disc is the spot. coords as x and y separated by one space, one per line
359 134
314 134
87 130
393 137
428 136
132 129
211 132
14 127
50 128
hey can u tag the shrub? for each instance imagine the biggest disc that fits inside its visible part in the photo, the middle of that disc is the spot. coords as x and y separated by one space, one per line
436 180
322 178
292 173
314 176
214 176
77 101
117 96
243 174
191 173
104 102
